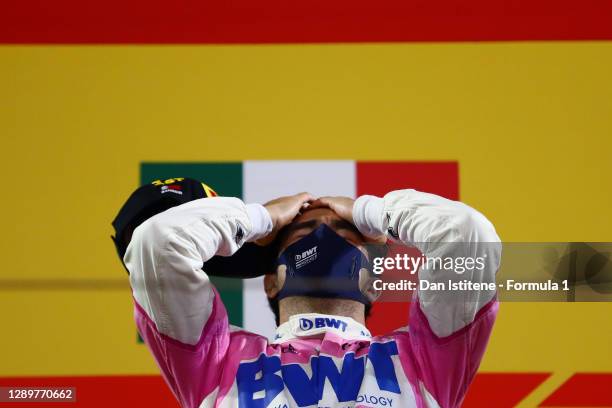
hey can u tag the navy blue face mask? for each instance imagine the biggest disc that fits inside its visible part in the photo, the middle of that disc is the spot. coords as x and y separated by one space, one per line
323 264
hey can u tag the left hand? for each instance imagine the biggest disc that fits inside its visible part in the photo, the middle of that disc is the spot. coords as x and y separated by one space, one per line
282 211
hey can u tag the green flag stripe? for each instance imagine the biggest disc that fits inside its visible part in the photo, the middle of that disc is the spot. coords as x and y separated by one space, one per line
226 180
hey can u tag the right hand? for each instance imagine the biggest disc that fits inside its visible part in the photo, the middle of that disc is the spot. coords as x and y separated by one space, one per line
343 206
282 211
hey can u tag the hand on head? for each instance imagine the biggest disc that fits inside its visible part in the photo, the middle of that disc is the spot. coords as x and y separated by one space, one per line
282 211
300 207
298 216
342 206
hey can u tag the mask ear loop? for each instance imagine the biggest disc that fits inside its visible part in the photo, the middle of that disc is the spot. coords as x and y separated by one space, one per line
366 286
366 280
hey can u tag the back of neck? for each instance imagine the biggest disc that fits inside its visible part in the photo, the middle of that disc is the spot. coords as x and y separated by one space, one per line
338 307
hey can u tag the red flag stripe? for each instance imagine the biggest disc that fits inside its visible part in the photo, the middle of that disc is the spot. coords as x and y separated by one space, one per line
502 390
488 389
583 390
317 21
104 391
440 178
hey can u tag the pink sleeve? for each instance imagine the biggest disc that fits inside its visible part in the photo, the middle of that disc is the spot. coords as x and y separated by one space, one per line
446 366
191 371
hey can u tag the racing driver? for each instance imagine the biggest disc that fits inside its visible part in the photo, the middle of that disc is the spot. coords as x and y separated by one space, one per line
322 355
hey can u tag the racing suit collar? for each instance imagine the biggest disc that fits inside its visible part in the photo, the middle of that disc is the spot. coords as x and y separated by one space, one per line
314 324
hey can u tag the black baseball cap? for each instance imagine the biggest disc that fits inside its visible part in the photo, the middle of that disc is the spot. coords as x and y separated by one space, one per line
249 261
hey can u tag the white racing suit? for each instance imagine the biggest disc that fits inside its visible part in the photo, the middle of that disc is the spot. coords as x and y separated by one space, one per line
314 360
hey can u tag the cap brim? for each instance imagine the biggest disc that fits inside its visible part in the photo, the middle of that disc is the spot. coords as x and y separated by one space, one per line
250 261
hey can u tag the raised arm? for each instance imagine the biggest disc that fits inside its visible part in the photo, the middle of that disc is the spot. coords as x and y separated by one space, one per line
448 332
178 312
167 252
438 227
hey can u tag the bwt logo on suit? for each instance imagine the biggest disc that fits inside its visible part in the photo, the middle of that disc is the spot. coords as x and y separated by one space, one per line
319 322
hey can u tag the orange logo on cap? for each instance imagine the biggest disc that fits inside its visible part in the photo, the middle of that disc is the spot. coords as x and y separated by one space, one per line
209 191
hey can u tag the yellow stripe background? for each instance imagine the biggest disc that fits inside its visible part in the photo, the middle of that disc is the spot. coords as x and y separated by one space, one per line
529 123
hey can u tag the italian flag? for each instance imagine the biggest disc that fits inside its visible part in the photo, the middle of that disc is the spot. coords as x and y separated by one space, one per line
258 181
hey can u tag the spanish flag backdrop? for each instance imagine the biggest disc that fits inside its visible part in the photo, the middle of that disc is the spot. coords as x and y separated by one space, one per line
506 105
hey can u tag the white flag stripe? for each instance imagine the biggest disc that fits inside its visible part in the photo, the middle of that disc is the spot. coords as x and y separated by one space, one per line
265 180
